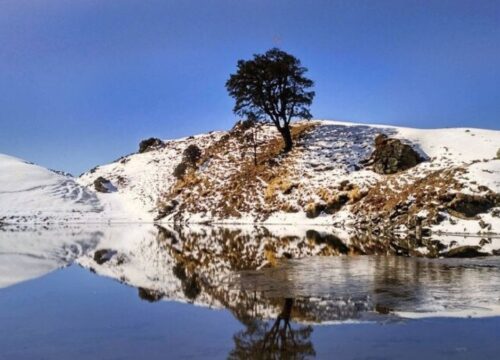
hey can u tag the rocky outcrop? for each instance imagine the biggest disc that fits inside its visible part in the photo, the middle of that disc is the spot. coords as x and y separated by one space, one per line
166 209
331 240
103 185
103 255
313 210
464 252
150 144
150 295
469 206
392 156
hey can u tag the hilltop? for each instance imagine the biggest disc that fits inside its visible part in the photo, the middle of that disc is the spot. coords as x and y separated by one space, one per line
350 176
327 179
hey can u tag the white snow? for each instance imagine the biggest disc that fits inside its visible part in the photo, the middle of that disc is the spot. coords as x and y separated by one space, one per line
31 191
325 158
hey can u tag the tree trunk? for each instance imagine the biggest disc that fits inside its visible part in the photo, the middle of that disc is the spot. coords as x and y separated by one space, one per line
287 138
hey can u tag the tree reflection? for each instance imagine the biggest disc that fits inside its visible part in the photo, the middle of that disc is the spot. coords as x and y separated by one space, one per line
281 341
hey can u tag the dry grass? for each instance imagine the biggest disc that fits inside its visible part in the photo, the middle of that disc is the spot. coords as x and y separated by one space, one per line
231 179
401 202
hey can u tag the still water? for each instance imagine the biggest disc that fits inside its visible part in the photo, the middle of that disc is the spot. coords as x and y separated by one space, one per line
133 292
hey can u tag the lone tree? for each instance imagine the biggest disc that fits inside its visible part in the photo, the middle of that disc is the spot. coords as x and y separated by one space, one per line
272 87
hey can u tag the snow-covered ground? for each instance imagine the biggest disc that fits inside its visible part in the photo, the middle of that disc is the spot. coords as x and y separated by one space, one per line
224 190
31 194
28 190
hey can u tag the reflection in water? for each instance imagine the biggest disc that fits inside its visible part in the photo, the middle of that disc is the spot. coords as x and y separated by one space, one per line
383 284
278 284
280 341
26 255
251 270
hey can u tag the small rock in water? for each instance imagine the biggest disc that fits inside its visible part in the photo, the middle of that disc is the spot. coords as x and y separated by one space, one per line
464 252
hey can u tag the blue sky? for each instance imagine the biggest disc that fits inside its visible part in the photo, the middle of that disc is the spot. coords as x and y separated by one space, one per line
83 81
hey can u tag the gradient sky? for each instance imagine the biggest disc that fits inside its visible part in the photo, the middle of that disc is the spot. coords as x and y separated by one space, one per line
82 81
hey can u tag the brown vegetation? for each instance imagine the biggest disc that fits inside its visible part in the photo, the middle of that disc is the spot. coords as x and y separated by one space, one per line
231 182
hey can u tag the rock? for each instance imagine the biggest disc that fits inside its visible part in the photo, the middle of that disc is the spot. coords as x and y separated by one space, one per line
166 209
469 206
391 156
104 255
336 203
483 242
150 144
313 210
150 295
329 239
426 232
103 185
483 224
464 252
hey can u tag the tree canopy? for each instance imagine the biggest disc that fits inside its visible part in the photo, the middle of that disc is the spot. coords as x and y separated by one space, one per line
272 87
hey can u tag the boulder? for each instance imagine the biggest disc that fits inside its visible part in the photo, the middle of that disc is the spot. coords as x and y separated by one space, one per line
150 144
336 203
391 156
166 209
313 210
103 185
103 255
150 295
464 252
329 239
469 206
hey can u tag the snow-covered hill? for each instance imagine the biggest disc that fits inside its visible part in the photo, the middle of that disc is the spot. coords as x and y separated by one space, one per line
322 181
30 192
325 180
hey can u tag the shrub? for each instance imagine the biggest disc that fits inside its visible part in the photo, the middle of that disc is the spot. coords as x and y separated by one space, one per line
191 288
180 170
191 154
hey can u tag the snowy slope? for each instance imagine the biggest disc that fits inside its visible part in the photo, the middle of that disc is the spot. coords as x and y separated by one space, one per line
226 186
28 191
141 179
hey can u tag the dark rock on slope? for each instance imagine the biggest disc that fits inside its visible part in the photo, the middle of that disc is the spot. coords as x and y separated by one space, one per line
150 144
391 156
103 185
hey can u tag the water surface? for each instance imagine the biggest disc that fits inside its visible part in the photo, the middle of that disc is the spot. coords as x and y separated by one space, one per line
142 291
